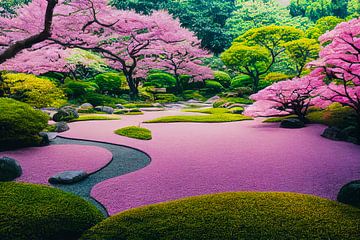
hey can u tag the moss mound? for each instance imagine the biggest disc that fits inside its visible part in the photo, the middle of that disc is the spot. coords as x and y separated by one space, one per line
209 118
135 132
31 211
243 215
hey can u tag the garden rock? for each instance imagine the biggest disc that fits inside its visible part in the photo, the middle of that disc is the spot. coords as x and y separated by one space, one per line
105 109
61 127
235 105
68 177
212 100
119 106
292 123
86 106
332 133
9 169
45 139
49 135
65 114
350 194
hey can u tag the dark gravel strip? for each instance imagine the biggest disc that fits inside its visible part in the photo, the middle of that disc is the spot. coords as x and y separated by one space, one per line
125 160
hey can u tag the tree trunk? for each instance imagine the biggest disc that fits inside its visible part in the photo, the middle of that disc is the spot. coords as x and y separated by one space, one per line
134 92
256 80
179 86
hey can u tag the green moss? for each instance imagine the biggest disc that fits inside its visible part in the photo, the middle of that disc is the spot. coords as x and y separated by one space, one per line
278 119
211 118
240 100
209 110
243 215
50 128
90 117
135 132
138 105
31 211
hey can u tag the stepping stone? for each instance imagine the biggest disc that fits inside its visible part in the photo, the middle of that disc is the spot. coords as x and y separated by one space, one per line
68 177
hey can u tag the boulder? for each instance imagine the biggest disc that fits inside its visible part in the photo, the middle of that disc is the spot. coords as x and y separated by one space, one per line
86 106
9 169
65 114
292 123
350 194
61 127
212 100
235 105
105 109
49 135
68 177
332 133
45 141
119 106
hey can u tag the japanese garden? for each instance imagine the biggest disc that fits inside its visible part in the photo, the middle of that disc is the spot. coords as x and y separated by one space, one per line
179 119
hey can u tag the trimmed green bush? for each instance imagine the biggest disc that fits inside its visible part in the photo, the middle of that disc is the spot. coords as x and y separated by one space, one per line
209 118
93 117
160 80
166 98
223 78
76 89
110 82
241 81
213 86
276 77
20 124
30 211
135 132
97 99
243 215
193 94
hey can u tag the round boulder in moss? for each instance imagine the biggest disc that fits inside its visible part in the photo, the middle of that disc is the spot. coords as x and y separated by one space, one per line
65 114
243 215
350 194
30 211
9 169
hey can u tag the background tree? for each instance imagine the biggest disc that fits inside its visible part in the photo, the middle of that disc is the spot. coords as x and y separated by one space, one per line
323 25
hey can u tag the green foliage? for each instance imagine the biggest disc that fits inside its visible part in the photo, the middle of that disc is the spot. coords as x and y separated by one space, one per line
138 105
278 119
276 77
223 78
205 18
323 25
231 100
213 86
301 52
65 114
213 118
30 211
353 9
165 98
93 117
258 13
20 124
241 81
316 9
209 110
76 89
38 92
110 83
160 80
97 99
192 94
242 215
10 6
135 132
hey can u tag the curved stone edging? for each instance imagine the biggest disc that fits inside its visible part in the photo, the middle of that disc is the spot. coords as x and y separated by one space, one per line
125 160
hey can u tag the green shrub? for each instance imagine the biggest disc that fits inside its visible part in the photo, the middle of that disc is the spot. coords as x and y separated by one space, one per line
208 118
165 98
160 80
193 94
20 124
30 211
76 89
237 110
213 86
135 132
138 105
243 215
276 77
241 81
223 78
110 82
93 117
97 99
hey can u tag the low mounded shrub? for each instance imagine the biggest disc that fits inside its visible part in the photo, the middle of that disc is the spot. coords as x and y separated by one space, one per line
97 99
20 124
165 98
30 211
160 80
213 86
243 215
223 78
135 132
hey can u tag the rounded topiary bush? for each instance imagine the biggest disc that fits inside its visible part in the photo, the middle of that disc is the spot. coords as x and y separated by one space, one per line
160 80
30 211
213 86
244 215
20 124
223 78
350 194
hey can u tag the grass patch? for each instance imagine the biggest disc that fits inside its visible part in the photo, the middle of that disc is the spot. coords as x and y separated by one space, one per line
30 211
278 119
209 110
243 215
134 113
90 117
135 132
138 105
211 118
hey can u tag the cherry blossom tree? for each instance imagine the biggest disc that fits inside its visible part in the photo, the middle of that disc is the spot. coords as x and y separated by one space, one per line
339 66
286 97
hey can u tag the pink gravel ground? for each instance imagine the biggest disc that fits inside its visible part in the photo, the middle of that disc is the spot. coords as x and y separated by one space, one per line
39 164
199 158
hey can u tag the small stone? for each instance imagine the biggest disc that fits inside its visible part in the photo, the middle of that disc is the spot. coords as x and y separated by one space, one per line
10 169
332 133
86 106
212 100
292 123
119 106
350 194
105 109
68 177
61 127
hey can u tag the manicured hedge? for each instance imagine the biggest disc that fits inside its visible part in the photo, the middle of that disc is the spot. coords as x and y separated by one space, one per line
30 211
20 124
244 215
